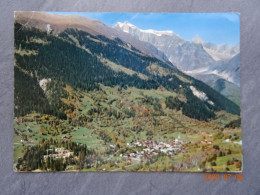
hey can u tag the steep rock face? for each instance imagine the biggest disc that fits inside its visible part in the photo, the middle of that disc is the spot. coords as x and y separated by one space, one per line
203 60
185 55
191 56
218 52
230 68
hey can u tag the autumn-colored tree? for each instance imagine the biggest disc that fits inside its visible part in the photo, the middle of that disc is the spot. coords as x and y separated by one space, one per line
238 164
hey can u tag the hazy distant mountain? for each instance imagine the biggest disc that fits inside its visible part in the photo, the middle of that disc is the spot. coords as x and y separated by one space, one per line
218 52
229 68
226 69
186 55
181 53
197 58
223 76
226 88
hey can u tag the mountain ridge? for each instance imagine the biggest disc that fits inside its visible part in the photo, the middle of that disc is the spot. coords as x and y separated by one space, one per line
196 58
113 51
59 23
86 102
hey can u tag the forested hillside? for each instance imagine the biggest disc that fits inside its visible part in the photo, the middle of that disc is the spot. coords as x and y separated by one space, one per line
86 102
73 58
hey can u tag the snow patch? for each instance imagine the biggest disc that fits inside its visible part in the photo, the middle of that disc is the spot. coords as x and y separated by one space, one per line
158 33
129 24
197 71
120 24
126 26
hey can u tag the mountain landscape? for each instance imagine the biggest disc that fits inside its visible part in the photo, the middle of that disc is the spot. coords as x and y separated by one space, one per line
197 58
89 97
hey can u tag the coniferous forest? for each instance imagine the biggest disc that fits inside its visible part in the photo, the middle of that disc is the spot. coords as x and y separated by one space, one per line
88 102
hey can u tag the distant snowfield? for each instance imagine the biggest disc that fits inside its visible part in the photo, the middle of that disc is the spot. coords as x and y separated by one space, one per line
197 71
211 59
126 28
158 33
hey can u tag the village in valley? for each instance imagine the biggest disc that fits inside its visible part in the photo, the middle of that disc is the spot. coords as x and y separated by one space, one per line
110 141
95 102
127 148
148 148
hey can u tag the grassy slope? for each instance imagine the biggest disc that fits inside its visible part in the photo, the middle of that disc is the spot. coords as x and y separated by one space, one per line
83 127
172 124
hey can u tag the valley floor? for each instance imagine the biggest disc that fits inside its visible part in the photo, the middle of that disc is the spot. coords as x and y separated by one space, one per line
122 130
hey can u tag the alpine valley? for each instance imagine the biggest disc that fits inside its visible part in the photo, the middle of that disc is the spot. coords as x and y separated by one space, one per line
90 97
216 65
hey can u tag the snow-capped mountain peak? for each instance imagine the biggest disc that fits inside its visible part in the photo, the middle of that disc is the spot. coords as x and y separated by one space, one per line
197 57
126 23
197 39
158 33
128 28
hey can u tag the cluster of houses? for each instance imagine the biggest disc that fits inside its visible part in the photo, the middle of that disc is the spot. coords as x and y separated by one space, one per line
152 148
58 153
204 141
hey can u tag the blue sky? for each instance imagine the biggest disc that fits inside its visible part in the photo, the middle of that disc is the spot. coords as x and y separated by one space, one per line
218 28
